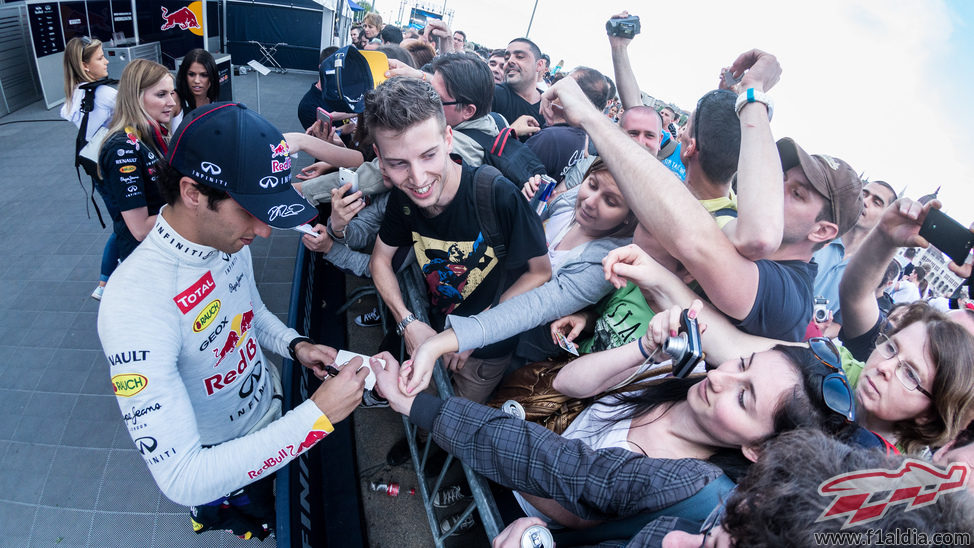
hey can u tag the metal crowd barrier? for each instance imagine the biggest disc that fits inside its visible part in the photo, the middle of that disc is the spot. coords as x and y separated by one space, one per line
300 502
316 492
414 293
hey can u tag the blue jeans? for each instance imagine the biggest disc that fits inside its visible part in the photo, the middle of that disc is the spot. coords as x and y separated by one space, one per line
109 258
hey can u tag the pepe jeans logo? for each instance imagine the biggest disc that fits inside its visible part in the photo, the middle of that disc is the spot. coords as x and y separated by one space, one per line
915 483
211 168
284 211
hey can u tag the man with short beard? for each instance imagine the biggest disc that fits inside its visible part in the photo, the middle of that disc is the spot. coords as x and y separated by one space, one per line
518 99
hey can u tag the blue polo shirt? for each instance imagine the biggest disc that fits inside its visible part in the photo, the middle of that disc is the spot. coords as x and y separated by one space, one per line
831 263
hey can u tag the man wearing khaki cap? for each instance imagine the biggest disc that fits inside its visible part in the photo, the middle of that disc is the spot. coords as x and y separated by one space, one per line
770 296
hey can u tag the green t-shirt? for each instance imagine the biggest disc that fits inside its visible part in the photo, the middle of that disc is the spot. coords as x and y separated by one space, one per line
622 317
852 367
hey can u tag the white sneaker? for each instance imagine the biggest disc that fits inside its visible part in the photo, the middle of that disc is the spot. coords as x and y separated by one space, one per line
98 292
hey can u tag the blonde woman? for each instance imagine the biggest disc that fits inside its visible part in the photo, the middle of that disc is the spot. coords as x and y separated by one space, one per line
130 158
85 63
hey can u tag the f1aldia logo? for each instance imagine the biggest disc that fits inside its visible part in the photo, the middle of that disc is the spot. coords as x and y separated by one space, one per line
915 483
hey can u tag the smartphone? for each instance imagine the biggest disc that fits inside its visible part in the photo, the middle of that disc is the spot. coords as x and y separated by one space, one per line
947 235
325 120
728 77
346 176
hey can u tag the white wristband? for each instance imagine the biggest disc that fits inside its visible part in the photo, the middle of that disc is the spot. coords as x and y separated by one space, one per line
752 95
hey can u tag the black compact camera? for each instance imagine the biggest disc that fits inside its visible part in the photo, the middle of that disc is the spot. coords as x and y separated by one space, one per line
626 27
684 349
820 310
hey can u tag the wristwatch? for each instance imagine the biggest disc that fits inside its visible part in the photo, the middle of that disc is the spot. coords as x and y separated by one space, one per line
751 95
401 326
294 342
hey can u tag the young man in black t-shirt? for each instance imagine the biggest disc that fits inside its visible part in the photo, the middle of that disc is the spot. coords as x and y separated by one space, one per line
432 209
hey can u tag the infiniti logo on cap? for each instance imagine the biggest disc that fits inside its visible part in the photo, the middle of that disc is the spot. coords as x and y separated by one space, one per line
268 182
211 168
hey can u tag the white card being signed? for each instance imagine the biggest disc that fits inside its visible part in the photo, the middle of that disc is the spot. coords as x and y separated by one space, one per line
344 356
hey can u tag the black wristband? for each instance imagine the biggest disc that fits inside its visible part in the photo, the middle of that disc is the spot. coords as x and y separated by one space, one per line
294 342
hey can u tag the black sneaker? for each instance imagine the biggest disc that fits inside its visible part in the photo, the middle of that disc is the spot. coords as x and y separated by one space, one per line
370 399
371 318
450 521
448 496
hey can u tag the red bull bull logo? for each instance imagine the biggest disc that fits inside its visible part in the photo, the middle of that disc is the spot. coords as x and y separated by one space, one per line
321 428
238 330
280 149
183 18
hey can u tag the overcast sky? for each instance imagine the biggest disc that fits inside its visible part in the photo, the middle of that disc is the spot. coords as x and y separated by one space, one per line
883 84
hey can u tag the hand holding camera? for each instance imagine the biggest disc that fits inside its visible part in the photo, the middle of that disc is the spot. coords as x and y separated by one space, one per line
676 332
623 26
753 69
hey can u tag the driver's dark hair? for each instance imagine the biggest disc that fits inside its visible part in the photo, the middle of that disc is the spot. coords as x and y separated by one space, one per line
169 179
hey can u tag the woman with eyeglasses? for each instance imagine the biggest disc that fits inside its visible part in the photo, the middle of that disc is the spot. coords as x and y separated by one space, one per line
85 66
129 160
915 382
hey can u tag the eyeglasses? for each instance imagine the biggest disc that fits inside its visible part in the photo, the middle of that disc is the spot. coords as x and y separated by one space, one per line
85 40
715 518
448 103
905 372
836 391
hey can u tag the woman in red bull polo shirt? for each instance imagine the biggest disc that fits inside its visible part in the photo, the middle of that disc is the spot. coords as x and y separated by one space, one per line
130 158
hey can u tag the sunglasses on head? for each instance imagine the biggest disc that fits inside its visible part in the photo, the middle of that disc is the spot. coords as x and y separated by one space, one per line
836 391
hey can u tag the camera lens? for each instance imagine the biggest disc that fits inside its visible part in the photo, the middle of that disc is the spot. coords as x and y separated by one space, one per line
676 347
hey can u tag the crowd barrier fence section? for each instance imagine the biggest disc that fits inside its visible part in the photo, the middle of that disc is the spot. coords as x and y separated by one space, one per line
414 293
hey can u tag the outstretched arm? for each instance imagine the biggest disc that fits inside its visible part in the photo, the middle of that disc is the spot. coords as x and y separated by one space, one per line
664 206
757 231
626 84
898 227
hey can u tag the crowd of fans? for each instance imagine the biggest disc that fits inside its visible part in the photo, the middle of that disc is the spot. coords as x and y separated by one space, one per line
651 213
758 267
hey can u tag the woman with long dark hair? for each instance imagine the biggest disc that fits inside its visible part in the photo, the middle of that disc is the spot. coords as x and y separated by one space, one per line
197 81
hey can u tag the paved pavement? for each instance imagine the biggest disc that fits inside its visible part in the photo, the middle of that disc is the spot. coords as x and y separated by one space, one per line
71 476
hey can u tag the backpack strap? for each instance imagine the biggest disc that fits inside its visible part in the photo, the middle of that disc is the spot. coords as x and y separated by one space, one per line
667 149
484 179
725 212
480 138
88 105
501 141
498 119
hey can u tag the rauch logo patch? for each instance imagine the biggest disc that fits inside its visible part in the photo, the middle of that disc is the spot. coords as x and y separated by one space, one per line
129 384
207 316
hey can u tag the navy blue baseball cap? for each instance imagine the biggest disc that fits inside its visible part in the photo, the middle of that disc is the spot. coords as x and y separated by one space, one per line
348 74
230 147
